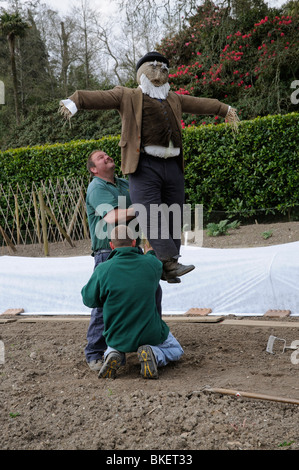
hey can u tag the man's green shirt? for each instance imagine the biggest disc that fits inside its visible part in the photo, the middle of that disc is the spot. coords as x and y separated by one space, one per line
125 286
101 198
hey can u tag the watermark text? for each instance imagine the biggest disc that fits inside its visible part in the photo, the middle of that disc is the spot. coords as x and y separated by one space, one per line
295 94
295 354
158 221
2 352
2 92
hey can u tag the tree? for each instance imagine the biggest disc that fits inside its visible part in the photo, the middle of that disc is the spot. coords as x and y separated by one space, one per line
13 26
72 46
59 36
137 28
35 81
65 57
88 45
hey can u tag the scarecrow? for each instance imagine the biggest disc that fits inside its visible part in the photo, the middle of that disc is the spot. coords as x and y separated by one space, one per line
151 149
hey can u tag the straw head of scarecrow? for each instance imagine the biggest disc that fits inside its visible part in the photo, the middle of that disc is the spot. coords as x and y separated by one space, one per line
153 67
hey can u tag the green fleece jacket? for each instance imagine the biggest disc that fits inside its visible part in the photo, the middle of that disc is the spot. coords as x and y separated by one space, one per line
125 286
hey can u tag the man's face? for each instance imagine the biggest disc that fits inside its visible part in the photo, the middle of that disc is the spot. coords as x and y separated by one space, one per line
103 164
156 72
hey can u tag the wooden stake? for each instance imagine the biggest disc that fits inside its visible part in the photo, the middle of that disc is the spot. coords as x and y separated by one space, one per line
85 228
7 240
17 218
259 396
44 222
75 215
36 216
63 232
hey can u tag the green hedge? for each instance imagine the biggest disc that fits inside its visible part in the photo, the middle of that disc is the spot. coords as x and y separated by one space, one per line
45 162
256 168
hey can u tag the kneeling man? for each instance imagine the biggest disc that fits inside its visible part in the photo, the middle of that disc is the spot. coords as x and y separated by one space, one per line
125 286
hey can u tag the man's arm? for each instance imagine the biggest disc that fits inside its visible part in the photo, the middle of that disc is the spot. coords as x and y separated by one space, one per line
91 292
118 216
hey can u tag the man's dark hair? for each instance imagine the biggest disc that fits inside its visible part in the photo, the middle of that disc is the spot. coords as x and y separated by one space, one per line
122 235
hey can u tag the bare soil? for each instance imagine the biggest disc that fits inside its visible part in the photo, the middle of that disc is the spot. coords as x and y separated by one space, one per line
51 400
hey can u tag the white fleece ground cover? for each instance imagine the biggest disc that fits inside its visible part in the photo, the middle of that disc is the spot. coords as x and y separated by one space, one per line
241 281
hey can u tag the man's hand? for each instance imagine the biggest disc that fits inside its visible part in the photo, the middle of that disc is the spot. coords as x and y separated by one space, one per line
146 245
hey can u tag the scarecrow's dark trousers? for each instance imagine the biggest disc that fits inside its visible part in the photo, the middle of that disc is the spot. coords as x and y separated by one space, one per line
157 193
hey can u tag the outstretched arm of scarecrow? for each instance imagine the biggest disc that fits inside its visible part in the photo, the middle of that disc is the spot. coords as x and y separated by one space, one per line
107 99
208 106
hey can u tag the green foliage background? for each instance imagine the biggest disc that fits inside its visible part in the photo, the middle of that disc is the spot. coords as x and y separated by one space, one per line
258 168
242 52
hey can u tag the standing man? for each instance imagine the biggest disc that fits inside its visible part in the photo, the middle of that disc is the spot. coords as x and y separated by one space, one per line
151 147
103 212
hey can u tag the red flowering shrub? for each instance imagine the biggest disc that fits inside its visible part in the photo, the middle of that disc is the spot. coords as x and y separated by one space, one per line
250 69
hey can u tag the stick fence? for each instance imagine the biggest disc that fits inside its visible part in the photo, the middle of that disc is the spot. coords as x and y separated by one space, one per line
44 212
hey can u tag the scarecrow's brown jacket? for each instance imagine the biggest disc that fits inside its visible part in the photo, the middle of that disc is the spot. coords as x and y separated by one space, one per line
128 101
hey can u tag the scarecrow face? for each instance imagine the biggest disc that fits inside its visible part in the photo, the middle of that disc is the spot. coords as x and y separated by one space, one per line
156 72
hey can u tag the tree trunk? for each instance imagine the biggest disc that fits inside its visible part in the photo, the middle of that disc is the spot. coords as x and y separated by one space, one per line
11 43
65 59
86 59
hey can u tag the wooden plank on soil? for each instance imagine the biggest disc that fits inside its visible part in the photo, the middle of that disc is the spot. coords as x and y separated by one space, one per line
174 318
54 318
193 312
277 313
7 320
166 318
261 323
13 311
193 319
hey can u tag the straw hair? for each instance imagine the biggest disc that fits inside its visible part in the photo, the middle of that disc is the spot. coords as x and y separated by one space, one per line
65 113
233 119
